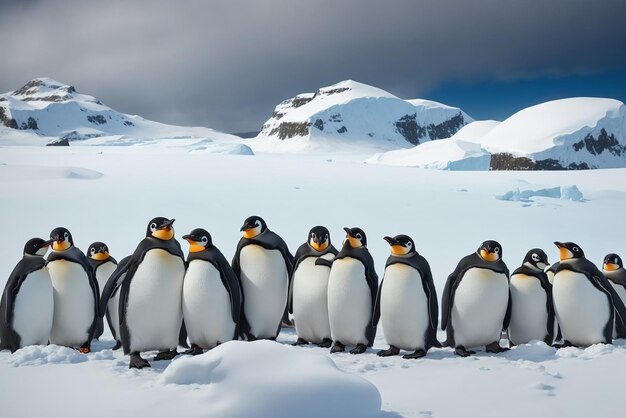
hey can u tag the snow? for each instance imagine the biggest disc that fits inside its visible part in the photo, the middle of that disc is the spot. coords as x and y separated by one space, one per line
447 213
564 192
472 132
263 378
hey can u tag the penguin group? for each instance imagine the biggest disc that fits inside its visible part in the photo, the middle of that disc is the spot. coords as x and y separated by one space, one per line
157 299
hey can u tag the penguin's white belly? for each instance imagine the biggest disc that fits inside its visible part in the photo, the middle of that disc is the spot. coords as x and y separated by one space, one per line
310 299
529 312
103 273
581 309
206 306
74 304
34 309
621 292
404 308
113 307
265 282
349 302
154 311
479 307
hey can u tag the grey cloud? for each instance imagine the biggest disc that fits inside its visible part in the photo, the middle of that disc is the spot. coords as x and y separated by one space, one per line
226 64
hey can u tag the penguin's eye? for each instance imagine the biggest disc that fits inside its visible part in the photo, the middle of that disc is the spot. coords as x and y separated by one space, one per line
575 249
257 223
616 261
409 244
93 251
66 235
535 257
326 237
204 240
497 250
153 227
359 236
313 235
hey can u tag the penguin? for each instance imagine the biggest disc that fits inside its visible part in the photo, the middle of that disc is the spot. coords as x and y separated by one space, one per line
309 290
103 266
27 305
613 269
263 265
407 301
150 304
352 288
476 301
532 310
112 305
584 302
76 293
211 295
550 272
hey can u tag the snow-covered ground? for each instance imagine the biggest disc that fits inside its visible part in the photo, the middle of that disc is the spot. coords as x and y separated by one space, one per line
108 193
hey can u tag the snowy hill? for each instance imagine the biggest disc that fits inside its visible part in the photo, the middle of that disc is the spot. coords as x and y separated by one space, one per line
574 133
355 114
44 110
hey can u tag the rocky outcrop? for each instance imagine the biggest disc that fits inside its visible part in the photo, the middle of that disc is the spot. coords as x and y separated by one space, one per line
507 161
59 142
604 142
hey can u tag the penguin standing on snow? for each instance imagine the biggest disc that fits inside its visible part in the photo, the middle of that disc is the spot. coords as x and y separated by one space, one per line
352 288
532 309
584 302
75 293
407 301
476 303
263 265
309 290
613 269
112 305
211 295
150 303
27 305
103 266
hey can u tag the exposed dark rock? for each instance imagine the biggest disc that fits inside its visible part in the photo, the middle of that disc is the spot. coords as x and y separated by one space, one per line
408 128
319 124
507 161
446 129
28 88
335 91
30 123
3 99
290 129
605 142
128 123
336 118
97 119
55 98
300 101
277 115
342 130
6 120
75 136
59 142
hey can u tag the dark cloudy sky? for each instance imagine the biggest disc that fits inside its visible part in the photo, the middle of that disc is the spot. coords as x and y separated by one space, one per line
226 64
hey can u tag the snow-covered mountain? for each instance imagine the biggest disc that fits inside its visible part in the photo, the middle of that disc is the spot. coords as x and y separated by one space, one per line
355 114
45 110
574 133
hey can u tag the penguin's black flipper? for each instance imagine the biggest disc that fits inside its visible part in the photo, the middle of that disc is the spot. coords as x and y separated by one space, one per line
618 304
182 335
323 262
372 281
376 313
433 307
113 283
507 315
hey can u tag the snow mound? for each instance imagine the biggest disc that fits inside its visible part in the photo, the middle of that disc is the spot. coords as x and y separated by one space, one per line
266 379
564 192
223 149
472 132
445 154
36 355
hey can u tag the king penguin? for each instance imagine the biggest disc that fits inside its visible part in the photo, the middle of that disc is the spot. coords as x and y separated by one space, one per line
103 266
407 301
476 303
309 290
27 305
75 293
352 288
532 310
263 265
613 269
584 302
211 295
150 304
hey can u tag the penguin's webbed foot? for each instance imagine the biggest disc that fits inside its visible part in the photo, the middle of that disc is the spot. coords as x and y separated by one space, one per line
337 348
194 350
251 337
137 362
326 343
419 353
360 348
165 355
494 347
300 341
85 348
564 345
392 351
462 352
117 346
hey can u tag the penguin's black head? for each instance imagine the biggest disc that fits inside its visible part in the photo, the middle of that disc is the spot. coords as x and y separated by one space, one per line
161 228
319 238
612 262
569 250
98 251
36 246
253 226
490 251
401 245
356 237
61 239
537 258
199 240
